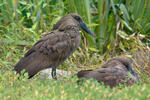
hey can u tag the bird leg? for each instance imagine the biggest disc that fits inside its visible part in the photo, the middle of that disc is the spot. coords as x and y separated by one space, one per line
54 73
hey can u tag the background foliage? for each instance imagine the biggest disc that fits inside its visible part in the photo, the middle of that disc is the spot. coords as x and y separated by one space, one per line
102 16
121 26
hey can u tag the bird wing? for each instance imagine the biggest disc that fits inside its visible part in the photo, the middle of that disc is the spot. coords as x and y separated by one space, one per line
109 76
47 52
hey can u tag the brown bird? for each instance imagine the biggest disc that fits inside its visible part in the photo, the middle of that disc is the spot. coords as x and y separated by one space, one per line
114 72
55 47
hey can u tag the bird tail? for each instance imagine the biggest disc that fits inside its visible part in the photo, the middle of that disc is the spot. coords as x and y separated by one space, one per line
81 73
31 64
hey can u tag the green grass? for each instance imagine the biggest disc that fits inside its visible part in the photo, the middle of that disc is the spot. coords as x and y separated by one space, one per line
66 89
22 23
12 88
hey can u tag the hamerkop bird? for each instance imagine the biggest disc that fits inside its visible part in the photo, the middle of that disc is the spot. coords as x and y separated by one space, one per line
114 72
55 47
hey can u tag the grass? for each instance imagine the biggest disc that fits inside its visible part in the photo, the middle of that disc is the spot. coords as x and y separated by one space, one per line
66 89
12 88
22 23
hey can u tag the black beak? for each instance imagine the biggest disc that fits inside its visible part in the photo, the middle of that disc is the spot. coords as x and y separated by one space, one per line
134 74
85 28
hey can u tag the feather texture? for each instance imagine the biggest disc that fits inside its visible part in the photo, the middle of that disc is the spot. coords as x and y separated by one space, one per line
114 72
53 48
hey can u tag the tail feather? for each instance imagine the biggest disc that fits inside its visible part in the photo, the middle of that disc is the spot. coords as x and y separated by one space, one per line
82 73
32 64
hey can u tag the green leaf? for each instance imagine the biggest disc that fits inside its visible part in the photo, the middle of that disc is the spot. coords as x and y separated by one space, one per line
34 26
22 42
93 49
123 35
127 25
122 46
44 5
23 2
124 10
28 14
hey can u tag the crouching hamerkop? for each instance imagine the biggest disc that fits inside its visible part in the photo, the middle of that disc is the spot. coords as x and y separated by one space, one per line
114 72
55 47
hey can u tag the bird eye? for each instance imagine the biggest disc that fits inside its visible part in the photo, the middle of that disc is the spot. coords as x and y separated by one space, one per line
77 18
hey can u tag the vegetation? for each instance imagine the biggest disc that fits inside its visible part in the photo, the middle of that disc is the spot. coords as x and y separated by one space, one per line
66 89
121 26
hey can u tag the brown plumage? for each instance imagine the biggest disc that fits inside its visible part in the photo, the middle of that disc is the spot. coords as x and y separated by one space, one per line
55 47
114 72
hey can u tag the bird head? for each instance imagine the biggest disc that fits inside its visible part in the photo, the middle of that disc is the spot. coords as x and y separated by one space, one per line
72 20
82 25
128 65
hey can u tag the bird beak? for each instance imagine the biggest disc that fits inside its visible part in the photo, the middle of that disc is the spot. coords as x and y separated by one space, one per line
135 75
85 28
